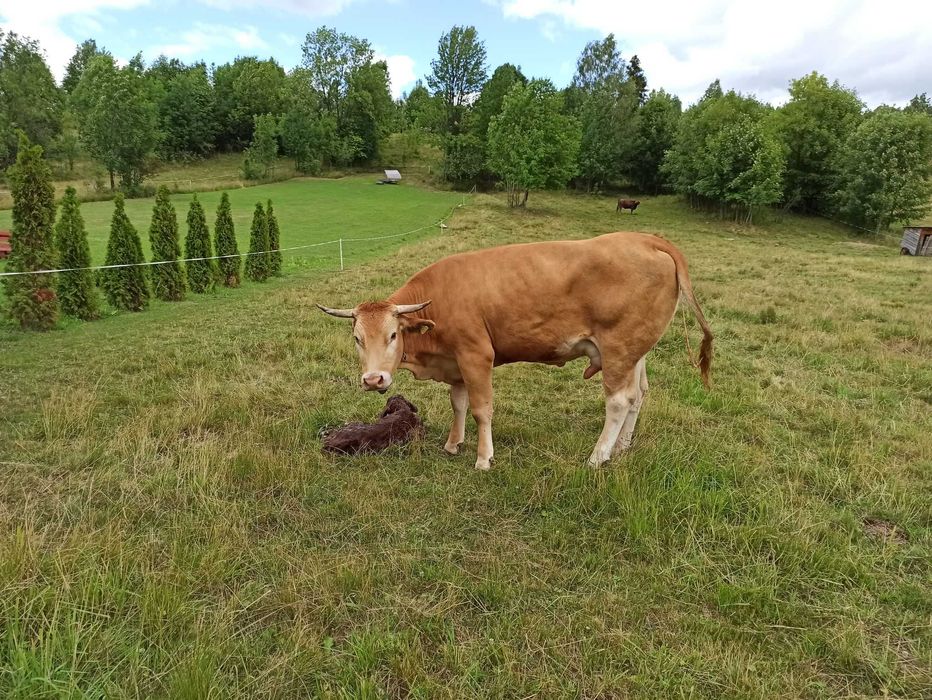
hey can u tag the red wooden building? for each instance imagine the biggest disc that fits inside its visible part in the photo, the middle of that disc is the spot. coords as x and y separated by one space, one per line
5 247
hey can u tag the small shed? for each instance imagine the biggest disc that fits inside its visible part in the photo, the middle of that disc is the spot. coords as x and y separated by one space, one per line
5 247
392 177
917 240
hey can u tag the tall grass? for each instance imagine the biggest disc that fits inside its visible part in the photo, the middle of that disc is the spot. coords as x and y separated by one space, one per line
169 527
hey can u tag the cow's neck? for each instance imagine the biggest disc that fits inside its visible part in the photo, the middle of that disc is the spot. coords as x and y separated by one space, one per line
423 356
425 359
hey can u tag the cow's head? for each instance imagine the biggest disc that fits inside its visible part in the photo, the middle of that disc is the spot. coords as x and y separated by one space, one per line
379 329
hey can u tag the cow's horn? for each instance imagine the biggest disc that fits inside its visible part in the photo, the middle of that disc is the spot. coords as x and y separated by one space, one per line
339 313
410 308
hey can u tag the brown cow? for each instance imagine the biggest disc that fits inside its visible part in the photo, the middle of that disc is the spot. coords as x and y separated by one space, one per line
630 204
609 298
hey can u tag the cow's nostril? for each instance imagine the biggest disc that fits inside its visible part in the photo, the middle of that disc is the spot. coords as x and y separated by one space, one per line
373 380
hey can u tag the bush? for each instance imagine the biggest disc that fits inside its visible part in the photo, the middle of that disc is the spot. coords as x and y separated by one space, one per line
167 279
33 302
201 273
767 316
263 150
724 156
225 243
77 293
252 169
885 174
463 158
257 263
124 287
275 255
532 144
138 190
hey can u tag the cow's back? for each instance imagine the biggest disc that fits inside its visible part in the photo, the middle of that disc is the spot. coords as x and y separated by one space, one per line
532 298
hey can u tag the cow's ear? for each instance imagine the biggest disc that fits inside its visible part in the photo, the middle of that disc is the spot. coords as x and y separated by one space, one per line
415 325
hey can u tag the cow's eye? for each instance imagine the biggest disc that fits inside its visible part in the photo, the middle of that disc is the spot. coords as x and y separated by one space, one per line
393 336
358 340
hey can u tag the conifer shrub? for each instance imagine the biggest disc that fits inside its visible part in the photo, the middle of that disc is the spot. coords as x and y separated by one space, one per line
77 291
275 255
257 262
168 282
201 273
125 288
32 300
225 243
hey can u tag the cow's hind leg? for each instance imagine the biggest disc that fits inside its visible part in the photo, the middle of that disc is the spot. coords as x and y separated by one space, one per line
459 400
627 430
620 382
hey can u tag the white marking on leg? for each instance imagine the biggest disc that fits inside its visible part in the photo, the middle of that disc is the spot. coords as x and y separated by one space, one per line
459 400
616 411
627 431
485 450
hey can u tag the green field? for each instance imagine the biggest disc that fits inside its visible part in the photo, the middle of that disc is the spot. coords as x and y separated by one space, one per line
169 527
308 211
216 172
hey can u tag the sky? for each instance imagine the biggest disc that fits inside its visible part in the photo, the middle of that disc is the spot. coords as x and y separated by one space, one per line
881 48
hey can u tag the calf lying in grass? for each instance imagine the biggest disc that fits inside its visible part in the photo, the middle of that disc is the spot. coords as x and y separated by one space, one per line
397 424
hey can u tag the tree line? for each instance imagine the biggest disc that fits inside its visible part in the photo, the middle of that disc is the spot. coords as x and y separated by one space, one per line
822 152
40 242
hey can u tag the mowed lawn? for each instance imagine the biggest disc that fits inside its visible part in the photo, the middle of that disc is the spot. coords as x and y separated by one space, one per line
169 527
308 211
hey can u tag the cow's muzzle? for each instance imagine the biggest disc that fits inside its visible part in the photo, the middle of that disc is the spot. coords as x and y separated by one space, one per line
376 381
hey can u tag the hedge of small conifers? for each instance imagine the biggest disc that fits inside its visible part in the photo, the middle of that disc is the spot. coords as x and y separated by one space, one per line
40 243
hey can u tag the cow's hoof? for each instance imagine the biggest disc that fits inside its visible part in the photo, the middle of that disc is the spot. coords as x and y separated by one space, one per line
597 459
452 449
483 465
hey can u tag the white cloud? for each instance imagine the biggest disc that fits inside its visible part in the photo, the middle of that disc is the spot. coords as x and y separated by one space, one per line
549 30
309 8
40 20
401 73
204 37
880 47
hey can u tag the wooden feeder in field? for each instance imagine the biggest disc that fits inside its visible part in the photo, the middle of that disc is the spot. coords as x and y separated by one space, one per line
917 240
5 247
392 177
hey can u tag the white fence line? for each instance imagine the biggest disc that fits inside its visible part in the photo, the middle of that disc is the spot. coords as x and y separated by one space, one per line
150 263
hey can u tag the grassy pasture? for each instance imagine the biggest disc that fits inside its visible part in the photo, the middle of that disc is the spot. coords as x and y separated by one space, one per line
169 528
218 171
308 211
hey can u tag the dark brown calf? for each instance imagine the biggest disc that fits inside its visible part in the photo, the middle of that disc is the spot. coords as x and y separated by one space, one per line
630 204
398 423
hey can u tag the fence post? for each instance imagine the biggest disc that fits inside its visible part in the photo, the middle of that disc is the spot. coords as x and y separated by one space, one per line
341 255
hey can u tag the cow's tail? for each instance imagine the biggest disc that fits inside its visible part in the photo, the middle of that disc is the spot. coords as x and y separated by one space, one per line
686 289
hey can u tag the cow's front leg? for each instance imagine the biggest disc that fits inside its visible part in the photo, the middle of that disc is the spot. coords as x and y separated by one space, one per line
477 375
459 400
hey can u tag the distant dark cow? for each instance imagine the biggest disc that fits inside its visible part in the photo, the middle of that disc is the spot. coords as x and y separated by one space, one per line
630 204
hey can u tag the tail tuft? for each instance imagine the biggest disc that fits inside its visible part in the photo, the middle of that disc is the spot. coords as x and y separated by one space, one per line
686 289
705 359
